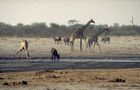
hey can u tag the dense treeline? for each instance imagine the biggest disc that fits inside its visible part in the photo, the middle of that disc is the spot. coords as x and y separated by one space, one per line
42 30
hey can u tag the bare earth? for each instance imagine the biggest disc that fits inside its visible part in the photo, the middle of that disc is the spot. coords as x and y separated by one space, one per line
72 80
85 79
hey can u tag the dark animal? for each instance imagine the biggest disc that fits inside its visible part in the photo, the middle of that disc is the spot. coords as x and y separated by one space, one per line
66 41
57 39
105 39
54 54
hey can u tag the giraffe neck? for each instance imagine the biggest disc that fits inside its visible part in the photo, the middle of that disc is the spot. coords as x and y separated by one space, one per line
84 27
99 33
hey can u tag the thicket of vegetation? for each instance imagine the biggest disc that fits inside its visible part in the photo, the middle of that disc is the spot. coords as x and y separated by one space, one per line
42 30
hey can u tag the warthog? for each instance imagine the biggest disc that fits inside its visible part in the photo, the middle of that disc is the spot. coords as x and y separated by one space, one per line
66 41
105 39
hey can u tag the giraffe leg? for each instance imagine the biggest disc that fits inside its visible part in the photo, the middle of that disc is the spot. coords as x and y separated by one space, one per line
86 47
94 46
81 44
99 47
27 54
18 52
90 47
72 48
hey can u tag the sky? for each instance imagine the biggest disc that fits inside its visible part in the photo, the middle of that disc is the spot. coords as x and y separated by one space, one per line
60 11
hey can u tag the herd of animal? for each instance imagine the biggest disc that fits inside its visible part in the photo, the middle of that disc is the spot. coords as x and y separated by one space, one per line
78 34
54 52
58 40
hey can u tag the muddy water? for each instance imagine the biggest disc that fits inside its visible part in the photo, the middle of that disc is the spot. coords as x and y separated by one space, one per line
9 65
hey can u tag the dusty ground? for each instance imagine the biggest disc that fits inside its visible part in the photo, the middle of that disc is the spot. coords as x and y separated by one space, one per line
123 46
83 79
72 80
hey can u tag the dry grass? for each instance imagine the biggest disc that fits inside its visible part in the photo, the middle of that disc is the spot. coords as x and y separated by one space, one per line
123 46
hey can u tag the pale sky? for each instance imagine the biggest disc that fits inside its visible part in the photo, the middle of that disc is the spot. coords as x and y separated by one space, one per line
60 11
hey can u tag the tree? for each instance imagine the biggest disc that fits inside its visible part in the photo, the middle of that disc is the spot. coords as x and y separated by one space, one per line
19 26
71 22
74 27
54 25
4 26
39 26
116 26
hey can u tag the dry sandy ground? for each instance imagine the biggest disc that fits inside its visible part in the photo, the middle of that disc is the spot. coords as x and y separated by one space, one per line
94 79
123 46
105 79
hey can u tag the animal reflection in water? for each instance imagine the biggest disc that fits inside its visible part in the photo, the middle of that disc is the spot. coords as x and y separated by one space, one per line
55 54
24 46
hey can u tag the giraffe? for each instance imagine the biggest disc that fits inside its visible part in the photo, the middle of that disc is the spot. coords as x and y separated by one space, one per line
24 46
94 38
79 34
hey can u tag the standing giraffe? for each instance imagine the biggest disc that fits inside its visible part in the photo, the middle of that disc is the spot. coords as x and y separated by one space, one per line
79 34
94 38
24 46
